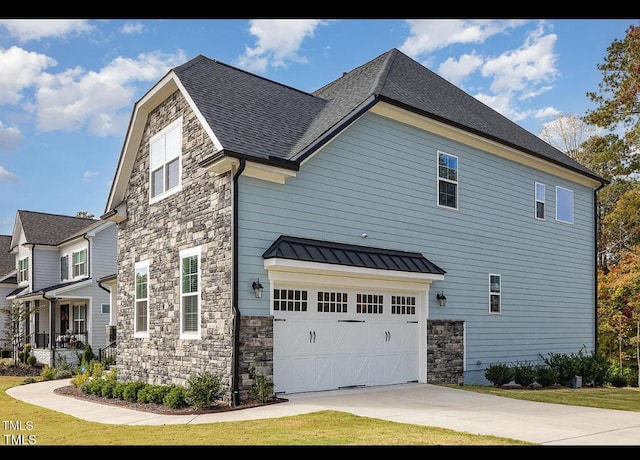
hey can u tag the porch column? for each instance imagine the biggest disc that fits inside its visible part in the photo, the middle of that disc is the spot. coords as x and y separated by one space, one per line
52 324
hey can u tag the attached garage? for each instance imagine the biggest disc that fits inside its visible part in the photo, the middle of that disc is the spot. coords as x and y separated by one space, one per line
347 315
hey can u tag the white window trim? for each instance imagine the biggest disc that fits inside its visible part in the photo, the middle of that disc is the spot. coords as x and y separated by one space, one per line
177 124
536 200
191 335
73 264
438 179
499 294
143 265
570 222
23 274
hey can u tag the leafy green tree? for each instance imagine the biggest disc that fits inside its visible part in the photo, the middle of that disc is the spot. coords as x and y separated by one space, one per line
618 98
619 313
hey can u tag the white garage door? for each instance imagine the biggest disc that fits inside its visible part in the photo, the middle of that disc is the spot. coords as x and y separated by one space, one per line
334 338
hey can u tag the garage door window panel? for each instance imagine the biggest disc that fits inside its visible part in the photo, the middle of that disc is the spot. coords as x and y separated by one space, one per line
369 303
290 300
332 302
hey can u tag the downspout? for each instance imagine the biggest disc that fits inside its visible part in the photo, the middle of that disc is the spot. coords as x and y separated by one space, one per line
89 270
595 268
235 363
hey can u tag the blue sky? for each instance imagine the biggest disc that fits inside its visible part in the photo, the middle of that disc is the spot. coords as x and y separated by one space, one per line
67 87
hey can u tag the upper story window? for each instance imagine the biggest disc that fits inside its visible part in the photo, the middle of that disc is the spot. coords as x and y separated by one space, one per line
447 180
190 292
79 263
495 293
141 320
564 205
64 268
23 270
165 161
540 192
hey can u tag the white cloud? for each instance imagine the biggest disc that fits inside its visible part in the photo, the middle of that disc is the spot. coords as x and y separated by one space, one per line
532 64
101 99
35 29
7 176
278 41
457 70
87 175
427 35
10 137
546 112
131 28
20 69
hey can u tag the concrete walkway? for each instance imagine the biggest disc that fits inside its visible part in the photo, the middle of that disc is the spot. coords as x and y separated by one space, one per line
413 403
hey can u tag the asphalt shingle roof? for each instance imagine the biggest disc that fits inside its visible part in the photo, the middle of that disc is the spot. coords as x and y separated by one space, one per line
7 260
51 229
328 252
259 118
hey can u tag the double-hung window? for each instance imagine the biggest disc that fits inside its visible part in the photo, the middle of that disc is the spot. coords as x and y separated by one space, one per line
79 263
190 293
142 298
447 180
564 205
540 192
165 161
23 270
495 293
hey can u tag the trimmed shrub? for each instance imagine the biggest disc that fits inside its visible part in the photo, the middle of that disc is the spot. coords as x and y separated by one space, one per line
499 374
176 397
203 390
524 374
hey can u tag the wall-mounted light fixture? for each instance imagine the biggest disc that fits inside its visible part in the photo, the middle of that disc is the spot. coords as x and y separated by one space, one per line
441 298
257 288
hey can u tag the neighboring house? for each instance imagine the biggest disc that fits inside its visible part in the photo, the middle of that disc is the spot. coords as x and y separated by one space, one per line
357 209
59 260
8 283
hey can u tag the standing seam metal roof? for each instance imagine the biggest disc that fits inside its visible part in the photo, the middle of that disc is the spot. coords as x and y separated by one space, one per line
310 250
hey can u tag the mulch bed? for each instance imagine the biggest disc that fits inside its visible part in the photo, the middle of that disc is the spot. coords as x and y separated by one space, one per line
75 392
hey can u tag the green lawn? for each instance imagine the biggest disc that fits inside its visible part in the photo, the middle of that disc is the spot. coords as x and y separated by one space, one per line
44 427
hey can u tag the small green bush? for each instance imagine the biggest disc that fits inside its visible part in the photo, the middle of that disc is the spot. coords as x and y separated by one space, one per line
107 388
131 389
144 395
499 374
524 374
118 390
546 376
261 389
203 390
48 372
32 360
176 397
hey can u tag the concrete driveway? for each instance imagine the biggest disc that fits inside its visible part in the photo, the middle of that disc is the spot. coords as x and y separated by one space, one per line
414 403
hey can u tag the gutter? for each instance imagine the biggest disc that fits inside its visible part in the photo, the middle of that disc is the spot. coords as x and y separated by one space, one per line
235 350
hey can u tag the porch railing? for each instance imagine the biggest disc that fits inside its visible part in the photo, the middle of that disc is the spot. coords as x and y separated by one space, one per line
107 355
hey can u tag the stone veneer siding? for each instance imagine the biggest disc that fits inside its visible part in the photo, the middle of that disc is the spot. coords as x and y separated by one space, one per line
200 215
256 350
445 351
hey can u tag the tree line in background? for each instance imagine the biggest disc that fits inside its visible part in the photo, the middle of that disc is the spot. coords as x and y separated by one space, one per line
607 141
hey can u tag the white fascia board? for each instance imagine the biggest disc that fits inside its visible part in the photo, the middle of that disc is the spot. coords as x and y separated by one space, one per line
296 271
70 288
252 169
